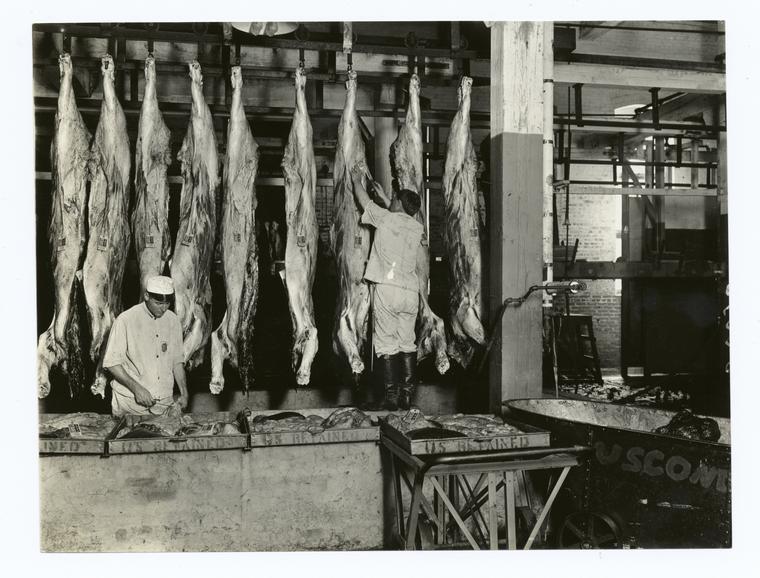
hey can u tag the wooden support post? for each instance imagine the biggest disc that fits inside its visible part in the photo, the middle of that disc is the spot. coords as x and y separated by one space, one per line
509 490
386 131
548 158
493 533
516 207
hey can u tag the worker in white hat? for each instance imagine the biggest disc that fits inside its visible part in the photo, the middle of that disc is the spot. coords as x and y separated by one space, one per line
144 355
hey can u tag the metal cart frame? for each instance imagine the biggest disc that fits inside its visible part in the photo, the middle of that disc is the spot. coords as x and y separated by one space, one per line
446 474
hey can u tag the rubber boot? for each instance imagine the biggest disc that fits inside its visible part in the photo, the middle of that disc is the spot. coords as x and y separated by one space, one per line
385 371
408 363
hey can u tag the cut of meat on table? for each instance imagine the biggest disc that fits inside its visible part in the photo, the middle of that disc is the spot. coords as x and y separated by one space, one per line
411 420
406 166
287 422
475 425
232 340
462 234
150 220
156 426
300 171
349 240
108 220
60 345
347 418
77 425
194 247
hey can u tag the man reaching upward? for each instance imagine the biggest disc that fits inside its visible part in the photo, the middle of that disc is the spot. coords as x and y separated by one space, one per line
392 274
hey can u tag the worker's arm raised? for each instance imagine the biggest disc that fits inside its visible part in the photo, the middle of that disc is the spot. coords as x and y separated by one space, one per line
357 172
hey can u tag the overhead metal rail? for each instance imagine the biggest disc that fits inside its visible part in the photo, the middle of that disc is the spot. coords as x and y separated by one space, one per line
640 28
324 42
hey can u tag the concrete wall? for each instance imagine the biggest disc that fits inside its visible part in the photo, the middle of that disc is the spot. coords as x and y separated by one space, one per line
316 497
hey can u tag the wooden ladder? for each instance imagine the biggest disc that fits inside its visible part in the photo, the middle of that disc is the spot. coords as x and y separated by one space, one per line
577 356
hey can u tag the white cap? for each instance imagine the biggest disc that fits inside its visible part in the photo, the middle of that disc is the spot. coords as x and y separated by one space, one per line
160 285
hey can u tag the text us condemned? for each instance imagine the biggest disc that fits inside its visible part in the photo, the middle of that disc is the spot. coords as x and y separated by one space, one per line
654 463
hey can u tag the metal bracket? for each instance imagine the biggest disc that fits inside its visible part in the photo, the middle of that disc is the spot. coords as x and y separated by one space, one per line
150 28
65 42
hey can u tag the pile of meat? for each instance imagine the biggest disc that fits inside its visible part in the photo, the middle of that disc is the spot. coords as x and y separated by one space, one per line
476 425
412 420
177 425
291 421
78 425
417 426
687 425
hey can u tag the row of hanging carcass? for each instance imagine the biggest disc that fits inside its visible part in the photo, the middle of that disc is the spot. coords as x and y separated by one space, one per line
90 230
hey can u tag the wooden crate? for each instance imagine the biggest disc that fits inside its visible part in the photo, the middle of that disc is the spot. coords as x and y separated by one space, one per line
73 445
527 437
181 443
330 436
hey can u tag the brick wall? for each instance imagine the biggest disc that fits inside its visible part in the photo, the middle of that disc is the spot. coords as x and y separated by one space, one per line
595 220
603 304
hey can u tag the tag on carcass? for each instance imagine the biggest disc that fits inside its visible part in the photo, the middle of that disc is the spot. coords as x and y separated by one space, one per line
236 236
150 241
75 431
301 240
188 240
61 243
357 241
103 243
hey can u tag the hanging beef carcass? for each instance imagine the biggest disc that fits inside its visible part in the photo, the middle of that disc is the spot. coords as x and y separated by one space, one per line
69 153
194 247
232 340
349 240
150 220
108 219
300 171
406 167
462 234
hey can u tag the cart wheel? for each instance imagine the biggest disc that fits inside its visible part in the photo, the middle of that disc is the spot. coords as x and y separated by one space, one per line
587 531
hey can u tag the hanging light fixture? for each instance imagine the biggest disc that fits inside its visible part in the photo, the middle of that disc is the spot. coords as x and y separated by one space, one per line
265 28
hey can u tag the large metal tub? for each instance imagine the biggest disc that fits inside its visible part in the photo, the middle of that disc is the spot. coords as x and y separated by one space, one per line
644 488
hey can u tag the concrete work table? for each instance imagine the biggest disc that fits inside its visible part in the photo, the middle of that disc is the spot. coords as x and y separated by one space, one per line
326 496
